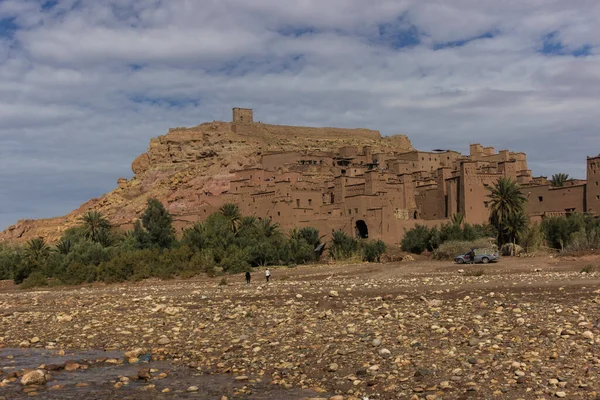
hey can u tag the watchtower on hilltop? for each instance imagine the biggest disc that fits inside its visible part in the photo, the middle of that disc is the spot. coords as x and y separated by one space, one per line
243 116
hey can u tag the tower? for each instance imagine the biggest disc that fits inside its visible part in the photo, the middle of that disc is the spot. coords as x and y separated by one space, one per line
592 198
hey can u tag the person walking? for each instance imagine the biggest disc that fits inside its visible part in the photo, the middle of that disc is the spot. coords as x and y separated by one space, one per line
267 274
248 277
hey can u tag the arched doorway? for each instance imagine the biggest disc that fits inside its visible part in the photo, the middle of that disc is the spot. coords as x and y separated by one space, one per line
362 231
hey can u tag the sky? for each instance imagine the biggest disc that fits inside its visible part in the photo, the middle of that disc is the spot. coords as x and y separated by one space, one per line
85 84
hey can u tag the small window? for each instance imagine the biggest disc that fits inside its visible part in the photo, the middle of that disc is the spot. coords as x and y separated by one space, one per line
297 202
485 204
350 211
540 198
278 213
356 211
310 202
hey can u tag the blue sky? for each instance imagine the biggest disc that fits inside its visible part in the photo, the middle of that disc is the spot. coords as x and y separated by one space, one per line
85 84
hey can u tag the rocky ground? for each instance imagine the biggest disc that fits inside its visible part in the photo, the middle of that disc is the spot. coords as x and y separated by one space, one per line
526 328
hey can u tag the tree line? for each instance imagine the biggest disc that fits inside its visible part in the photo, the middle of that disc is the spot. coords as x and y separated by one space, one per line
226 242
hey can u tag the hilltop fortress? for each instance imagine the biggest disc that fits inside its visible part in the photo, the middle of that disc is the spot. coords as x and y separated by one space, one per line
330 178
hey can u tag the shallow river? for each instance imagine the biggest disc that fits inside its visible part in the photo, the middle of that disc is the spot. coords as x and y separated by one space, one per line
100 378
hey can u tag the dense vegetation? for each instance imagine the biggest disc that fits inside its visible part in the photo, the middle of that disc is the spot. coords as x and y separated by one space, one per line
422 238
226 242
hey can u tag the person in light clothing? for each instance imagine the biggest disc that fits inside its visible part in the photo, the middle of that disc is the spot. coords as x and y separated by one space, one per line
268 274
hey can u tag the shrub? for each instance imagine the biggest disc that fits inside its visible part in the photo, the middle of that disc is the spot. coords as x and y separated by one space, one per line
474 272
588 269
35 279
372 251
532 238
11 258
449 250
76 274
342 246
236 260
417 240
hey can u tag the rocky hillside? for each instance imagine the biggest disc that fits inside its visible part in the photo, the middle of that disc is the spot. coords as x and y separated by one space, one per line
187 161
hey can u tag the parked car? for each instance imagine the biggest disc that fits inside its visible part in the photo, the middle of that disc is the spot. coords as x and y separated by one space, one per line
484 255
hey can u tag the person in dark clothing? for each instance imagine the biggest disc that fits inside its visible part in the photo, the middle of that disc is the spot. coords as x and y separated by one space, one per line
248 277
471 254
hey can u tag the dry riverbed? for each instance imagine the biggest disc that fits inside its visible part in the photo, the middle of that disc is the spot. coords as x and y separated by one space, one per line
526 329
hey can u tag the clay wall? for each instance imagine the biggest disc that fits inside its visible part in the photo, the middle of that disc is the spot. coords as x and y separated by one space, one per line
545 199
306 199
275 161
321 133
430 204
473 194
593 185
348 151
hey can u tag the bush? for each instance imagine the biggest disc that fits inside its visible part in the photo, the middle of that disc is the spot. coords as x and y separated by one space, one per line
417 240
533 238
474 272
449 250
76 274
236 260
342 246
420 238
574 232
11 258
588 269
35 279
372 251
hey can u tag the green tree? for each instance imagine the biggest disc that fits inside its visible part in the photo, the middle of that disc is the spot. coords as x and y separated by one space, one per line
63 246
157 227
507 210
299 250
94 225
37 250
36 255
558 180
232 213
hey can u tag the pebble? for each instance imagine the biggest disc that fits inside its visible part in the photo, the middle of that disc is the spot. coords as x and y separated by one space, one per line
163 340
35 377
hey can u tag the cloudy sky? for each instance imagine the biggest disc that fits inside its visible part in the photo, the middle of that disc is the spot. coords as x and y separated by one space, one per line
85 84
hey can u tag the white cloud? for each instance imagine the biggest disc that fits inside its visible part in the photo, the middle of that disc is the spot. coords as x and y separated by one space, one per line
85 84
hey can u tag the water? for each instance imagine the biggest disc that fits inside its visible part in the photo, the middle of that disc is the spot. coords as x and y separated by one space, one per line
101 377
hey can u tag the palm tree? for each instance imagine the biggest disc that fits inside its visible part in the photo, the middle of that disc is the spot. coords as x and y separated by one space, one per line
506 203
267 228
247 222
63 246
233 215
93 223
558 180
457 219
516 228
37 250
